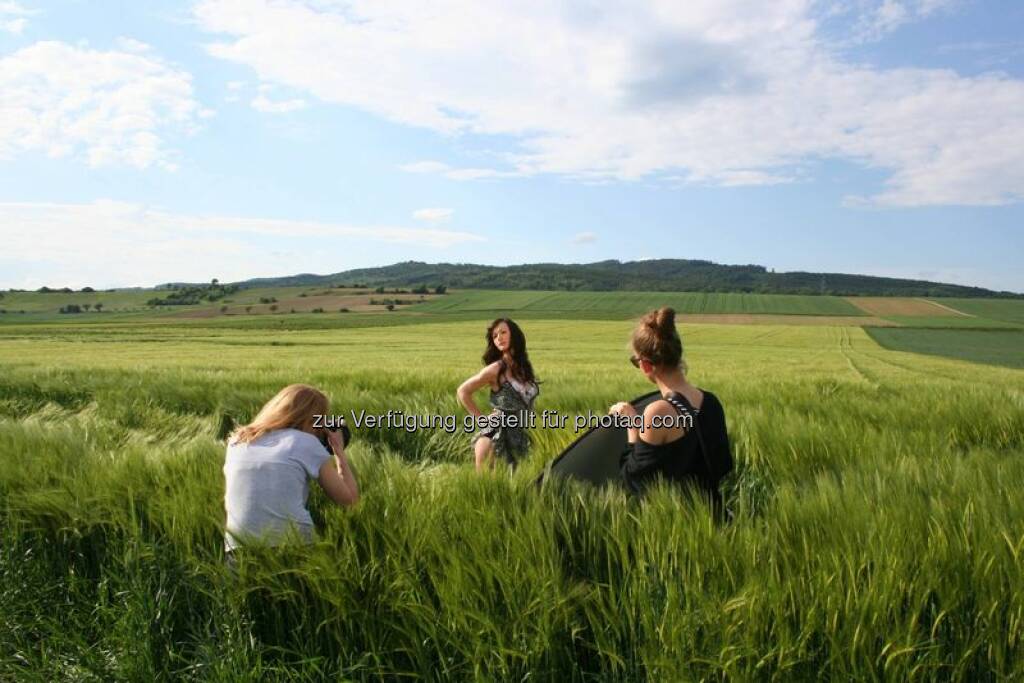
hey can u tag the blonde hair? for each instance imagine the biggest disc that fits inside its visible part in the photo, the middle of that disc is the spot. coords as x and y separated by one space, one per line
293 407
656 339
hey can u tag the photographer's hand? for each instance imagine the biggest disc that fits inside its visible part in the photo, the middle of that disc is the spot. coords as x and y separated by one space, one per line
338 448
339 481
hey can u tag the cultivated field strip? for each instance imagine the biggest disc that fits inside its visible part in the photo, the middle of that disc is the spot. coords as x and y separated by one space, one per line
1008 310
627 304
878 533
904 306
994 346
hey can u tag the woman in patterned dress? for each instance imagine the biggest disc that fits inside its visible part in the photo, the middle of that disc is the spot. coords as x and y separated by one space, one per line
509 374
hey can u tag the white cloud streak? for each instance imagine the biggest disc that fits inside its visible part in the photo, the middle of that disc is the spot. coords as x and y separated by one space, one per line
112 108
116 243
264 103
714 91
874 19
456 173
433 215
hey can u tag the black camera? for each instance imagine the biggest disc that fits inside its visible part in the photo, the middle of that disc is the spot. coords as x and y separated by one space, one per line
341 427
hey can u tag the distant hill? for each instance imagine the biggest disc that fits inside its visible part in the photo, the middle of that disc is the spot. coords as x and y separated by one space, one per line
667 275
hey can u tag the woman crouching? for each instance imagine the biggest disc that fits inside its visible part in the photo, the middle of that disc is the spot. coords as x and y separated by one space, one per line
268 466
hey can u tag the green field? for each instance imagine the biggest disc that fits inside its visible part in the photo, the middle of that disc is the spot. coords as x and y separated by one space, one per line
878 531
50 302
133 301
1009 310
953 322
237 309
626 304
997 347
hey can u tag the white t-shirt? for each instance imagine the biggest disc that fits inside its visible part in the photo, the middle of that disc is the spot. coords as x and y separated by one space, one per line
267 486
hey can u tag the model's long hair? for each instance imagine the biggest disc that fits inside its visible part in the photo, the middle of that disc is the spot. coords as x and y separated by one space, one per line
518 365
293 407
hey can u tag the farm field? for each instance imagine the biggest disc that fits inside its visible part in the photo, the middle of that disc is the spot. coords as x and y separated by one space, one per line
998 347
291 308
262 300
626 304
951 322
1009 310
901 306
878 534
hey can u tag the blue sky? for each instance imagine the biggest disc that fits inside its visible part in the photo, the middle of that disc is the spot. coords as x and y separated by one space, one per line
147 142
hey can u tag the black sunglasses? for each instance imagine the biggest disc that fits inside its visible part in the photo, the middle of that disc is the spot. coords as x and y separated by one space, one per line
635 360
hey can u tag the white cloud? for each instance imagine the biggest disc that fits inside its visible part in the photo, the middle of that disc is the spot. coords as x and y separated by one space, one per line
425 167
715 91
263 103
115 243
433 215
874 19
15 26
584 238
985 54
234 88
14 17
456 173
110 107
132 45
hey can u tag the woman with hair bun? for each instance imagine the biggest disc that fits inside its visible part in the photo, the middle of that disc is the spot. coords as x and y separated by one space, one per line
683 437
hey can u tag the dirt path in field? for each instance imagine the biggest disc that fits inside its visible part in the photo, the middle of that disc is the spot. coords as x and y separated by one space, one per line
890 305
769 319
951 310
846 348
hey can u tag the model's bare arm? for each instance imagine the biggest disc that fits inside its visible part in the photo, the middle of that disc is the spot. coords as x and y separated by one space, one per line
486 377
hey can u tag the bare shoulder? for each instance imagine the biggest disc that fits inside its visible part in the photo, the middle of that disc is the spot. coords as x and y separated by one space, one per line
657 428
492 372
659 407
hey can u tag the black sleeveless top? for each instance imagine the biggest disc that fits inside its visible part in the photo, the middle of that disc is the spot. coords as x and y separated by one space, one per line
683 460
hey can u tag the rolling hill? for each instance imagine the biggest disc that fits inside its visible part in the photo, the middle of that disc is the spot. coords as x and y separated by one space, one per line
665 275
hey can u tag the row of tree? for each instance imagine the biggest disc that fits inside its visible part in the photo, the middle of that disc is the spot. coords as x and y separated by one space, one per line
192 295
62 290
81 308
422 289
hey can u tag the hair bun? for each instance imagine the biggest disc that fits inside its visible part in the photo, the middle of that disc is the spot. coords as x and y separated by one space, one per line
656 338
665 321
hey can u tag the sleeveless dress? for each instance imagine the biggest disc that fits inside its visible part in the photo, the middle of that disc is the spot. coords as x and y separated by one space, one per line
511 443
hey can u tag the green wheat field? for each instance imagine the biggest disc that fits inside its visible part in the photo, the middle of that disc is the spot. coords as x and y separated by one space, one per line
878 530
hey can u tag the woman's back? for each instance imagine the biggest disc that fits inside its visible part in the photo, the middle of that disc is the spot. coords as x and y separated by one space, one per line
684 460
267 485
